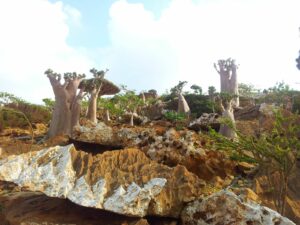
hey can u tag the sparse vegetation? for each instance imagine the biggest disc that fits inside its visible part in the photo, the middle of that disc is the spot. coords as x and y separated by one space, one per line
275 153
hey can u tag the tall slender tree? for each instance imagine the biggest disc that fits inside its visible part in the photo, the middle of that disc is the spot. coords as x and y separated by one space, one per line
94 88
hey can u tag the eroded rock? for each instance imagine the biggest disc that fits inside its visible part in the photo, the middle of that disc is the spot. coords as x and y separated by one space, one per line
122 181
226 208
166 146
206 121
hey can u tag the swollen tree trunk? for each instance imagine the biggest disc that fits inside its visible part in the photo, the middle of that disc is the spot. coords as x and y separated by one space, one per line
77 109
224 79
143 98
92 108
63 117
228 116
131 120
107 115
233 85
227 70
183 106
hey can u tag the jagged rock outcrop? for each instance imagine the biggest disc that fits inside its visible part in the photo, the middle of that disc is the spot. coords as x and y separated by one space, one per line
166 146
186 148
205 121
225 207
121 181
247 113
108 136
137 119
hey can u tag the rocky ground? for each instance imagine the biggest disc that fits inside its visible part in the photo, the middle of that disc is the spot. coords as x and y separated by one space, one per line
153 174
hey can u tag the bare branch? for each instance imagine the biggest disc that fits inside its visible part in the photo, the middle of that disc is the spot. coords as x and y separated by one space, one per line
216 68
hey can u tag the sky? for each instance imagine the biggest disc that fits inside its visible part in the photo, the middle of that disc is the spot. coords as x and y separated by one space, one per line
147 44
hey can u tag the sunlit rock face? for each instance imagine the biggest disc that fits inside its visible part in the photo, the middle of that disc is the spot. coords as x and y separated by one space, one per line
162 144
121 181
225 207
205 121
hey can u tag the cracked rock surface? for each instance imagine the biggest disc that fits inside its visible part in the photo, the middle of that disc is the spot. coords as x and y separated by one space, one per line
226 208
121 181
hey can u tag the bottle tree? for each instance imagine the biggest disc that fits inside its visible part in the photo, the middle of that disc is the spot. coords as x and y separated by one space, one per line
93 87
227 128
65 113
227 69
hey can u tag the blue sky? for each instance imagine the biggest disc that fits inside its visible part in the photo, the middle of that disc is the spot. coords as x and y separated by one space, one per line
93 32
147 44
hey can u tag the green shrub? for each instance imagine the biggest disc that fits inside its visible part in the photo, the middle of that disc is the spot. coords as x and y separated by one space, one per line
198 104
35 113
275 152
174 116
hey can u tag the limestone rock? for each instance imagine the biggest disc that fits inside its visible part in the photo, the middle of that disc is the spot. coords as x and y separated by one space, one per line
225 207
154 111
187 148
92 131
267 109
166 146
113 137
121 181
33 208
247 113
205 121
137 119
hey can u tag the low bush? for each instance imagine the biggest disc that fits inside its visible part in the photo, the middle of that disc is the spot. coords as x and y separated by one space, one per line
275 152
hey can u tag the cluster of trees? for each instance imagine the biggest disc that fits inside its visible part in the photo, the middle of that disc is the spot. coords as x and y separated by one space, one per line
127 102
67 105
275 152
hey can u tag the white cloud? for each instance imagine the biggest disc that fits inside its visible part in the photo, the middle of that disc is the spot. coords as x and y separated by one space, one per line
73 15
33 38
147 51
188 37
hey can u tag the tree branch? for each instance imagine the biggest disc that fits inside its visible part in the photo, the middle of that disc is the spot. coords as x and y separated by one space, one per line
216 68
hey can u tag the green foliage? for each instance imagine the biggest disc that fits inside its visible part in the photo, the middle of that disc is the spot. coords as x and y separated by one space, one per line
7 112
178 88
280 87
275 152
9 119
127 101
12 104
88 85
280 95
110 104
49 103
198 104
211 91
248 90
197 89
6 98
174 116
